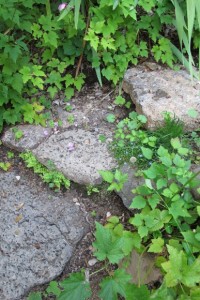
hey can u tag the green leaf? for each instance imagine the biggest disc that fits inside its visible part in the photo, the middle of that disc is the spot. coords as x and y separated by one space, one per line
161 183
178 271
53 288
110 118
138 202
113 286
156 245
134 292
119 100
35 296
107 176
106 245
148 153
176 143
75 287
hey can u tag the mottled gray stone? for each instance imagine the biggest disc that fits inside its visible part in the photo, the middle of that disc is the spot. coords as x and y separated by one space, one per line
32 137
159 90
132 182
39 231
81 164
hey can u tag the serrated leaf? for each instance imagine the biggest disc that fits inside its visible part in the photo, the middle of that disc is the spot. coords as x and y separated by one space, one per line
106 245
138 202
75 287
107 176
175 143
113 286
178 271
156 245
134 292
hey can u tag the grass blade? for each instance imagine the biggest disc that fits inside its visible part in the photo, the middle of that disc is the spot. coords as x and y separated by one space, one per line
66 10
76 12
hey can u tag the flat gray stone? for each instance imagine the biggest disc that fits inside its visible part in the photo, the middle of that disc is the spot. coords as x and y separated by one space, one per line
39 231
132 182
80 164
32 137
158 90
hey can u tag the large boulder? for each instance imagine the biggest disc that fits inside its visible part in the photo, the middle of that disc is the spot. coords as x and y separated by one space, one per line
155 90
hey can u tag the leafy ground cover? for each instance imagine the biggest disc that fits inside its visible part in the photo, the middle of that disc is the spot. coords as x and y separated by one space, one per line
43 46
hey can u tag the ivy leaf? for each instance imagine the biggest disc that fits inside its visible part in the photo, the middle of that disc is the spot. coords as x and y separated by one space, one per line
112 286
134 292
75 287
106 246
156 245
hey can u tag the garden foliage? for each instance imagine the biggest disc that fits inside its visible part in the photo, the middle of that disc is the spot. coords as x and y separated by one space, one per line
42 49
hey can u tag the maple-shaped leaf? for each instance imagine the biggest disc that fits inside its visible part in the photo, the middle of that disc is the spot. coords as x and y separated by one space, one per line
178 270
134 292
106 245
112 286
75 288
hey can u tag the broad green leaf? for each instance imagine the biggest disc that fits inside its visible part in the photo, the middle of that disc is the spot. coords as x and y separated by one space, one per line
198 210
156 245
138 202
106 245
107 176
178 271
112 287
148 153
134 292
75 287
175 143
161 183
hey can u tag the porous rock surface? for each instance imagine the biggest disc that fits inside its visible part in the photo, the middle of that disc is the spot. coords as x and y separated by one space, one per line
80 164
155 90
32 136
39 231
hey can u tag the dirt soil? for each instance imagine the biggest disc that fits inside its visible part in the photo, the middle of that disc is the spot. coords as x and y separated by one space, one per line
98 206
